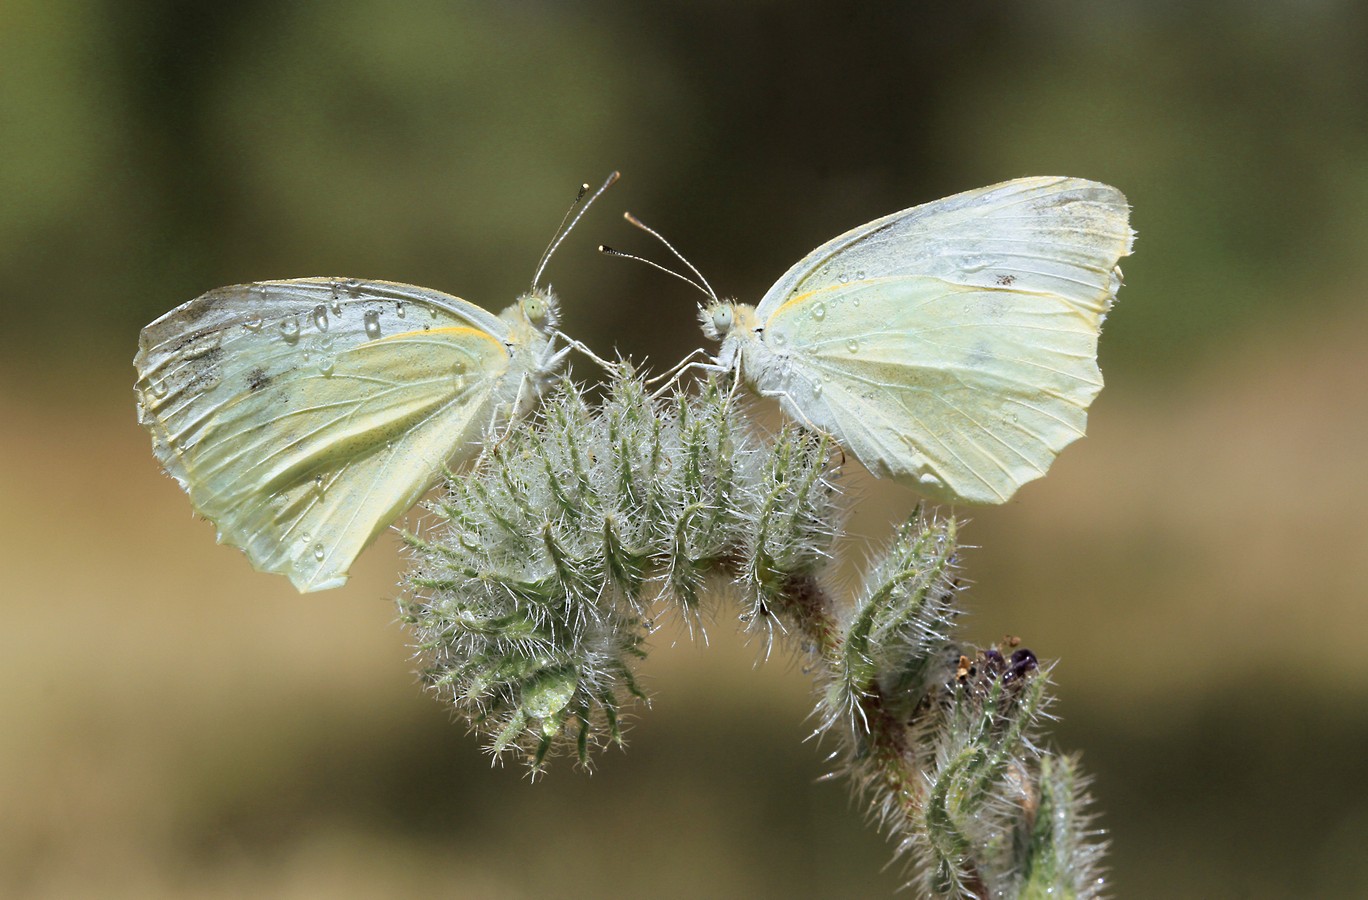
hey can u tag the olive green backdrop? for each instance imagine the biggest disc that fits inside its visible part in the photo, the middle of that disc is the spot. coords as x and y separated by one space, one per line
174 724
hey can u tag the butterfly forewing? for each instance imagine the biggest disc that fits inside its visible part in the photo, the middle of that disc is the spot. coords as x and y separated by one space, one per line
1060 236
304 416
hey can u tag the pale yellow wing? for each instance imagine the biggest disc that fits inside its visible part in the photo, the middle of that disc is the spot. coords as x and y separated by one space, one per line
1053 235
952 346
302 417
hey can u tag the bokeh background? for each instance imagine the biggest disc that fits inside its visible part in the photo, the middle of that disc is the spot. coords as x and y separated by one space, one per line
174 724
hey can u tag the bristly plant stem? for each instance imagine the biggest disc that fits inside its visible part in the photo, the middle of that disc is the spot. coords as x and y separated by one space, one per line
533 594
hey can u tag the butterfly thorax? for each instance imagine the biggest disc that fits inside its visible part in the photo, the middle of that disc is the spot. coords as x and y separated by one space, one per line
532 321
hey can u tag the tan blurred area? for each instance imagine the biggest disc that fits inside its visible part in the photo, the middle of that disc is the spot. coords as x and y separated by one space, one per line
177 725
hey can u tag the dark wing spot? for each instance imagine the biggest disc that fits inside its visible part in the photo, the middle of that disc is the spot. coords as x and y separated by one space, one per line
1006 280
205 372
257 379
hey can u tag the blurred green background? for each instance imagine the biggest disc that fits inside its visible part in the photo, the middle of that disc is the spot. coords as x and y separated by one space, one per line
178 725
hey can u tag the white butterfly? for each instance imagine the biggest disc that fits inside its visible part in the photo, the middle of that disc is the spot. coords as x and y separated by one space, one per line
303 416
951 346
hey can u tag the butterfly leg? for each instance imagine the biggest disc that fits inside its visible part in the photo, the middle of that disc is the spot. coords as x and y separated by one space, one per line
796 411
712 367
736 382
678 367
613 369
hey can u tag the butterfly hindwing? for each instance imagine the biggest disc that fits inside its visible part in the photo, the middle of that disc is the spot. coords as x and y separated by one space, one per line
964 393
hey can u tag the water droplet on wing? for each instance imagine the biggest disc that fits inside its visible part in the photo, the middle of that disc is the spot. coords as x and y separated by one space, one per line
289 329
199 348
372 324
320 317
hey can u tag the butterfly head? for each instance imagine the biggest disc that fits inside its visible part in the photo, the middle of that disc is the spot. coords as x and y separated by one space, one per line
721 320
538 309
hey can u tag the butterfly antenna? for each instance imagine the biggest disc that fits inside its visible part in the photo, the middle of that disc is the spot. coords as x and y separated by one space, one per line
609 251
668 246
563 230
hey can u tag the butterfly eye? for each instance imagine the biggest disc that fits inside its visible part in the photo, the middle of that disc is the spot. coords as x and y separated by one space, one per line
722 319
535 309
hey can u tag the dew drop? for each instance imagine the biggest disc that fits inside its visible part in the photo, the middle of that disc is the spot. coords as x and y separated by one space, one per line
200 348
319 486
320 317
372 324
780 339
817 390
325 365
318 552
855 302
819 311
252 324
400 308
469 540
974 264
159 388
305 537
289 329
928 480
353 286
853 345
